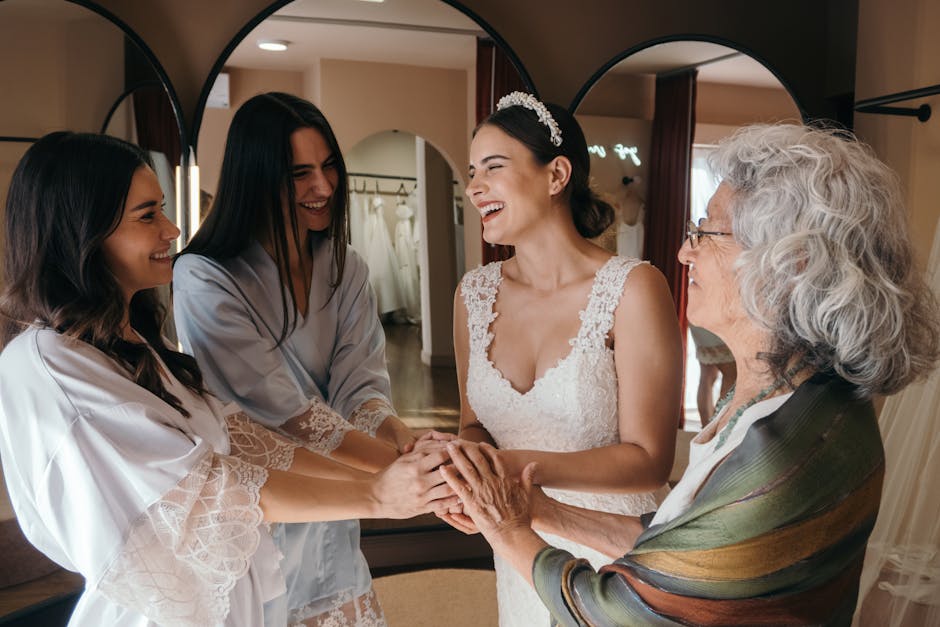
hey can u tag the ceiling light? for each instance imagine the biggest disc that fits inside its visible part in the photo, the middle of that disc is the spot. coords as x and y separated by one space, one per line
373 0
273 45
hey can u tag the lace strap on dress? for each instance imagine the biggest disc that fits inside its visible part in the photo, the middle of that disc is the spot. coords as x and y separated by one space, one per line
478 289
598 318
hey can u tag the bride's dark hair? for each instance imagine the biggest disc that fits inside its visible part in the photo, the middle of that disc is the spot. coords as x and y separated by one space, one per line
67 195
591 214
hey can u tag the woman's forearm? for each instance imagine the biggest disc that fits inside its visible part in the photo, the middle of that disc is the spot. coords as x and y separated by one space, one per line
364 452
475 432
610 534
395 433
313 464
291 497
518 547
618 468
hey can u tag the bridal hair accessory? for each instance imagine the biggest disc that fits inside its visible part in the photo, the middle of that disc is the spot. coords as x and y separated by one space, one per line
522 99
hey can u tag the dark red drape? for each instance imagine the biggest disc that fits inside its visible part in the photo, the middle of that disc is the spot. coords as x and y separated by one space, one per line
496 77
668 188
155 122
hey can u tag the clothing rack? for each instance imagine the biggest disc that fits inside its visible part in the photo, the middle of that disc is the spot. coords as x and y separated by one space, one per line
877 105
21 140
401 191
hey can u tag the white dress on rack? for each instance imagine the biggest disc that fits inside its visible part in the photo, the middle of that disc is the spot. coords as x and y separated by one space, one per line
571 407
630 237
357 221
407 253
380 257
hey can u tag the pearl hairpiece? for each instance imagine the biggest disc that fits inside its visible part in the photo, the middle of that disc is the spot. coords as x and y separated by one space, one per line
522 99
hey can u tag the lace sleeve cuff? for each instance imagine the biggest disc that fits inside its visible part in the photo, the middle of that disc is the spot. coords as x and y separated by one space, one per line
185 553
319 429
257 445
369 416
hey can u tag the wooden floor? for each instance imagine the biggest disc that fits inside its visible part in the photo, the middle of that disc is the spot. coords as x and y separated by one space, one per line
425 397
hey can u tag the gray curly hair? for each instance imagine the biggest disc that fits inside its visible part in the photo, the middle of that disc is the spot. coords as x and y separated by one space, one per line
827 264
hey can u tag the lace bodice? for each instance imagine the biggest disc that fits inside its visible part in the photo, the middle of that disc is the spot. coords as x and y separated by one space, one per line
573 405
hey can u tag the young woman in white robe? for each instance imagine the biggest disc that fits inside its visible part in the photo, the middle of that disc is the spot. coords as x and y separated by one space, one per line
119 465
278 311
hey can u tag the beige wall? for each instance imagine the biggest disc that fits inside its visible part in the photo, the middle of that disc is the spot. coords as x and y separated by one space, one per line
899 50
243 84
621 95
55 75
58 75
737 105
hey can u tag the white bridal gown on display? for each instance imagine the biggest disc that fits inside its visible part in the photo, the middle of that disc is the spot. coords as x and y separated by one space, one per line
571 407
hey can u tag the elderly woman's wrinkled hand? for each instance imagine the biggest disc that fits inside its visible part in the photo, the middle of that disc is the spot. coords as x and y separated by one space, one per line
493 500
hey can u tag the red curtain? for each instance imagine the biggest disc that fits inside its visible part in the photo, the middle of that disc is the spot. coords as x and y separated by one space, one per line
668 189
496 77
156 122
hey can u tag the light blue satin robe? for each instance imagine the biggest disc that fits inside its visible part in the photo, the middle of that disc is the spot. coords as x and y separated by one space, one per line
228 315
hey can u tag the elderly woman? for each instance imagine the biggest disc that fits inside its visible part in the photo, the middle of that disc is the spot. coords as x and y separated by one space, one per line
804 268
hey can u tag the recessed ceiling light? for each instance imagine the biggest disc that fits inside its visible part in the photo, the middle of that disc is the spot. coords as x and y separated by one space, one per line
273 45
373 0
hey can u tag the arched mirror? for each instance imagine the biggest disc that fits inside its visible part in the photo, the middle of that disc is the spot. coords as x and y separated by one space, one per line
64 66
397 81
651 119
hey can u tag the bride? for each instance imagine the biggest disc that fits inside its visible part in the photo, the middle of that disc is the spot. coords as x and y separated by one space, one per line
596 412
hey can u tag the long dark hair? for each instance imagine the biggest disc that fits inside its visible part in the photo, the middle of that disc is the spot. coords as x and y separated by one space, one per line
256 179
591 215
66 197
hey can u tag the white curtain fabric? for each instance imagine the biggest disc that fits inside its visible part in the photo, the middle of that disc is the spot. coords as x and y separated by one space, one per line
900 583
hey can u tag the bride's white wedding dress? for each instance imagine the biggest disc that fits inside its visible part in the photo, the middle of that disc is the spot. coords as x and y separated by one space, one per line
571 407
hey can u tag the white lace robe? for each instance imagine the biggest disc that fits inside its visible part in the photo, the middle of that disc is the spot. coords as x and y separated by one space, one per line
330 371
155 510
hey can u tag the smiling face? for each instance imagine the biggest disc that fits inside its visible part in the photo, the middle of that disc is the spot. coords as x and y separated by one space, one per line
315 179
138 251
714 298
507 185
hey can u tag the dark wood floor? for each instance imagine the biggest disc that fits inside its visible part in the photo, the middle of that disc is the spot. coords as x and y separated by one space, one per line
425 397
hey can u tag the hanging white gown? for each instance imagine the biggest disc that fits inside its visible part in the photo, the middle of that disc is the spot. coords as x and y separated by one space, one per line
571 407
407 254
380 257
630 237
357 221
902 563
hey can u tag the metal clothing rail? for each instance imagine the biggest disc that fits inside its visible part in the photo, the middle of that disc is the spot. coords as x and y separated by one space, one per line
22 140
878 105
401 191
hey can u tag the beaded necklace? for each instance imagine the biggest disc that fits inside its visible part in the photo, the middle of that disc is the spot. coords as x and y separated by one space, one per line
764 393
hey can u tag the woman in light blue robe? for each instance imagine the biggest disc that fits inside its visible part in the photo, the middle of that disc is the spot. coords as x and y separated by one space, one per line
278 311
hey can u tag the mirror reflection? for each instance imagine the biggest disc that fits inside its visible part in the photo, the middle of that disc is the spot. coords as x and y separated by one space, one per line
635 162
396 81
65 67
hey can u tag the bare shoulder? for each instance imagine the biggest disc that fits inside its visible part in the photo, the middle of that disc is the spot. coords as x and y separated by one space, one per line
645 293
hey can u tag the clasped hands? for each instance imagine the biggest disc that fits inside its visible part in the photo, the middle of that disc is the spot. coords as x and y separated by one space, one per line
484 496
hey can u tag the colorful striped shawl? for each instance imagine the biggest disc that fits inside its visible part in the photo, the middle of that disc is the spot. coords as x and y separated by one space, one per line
776 535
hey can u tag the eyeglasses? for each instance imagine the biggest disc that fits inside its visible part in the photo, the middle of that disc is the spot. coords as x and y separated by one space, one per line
694 234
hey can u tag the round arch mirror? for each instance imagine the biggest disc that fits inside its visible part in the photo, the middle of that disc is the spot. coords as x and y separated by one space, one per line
630 120
63 66
392 78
